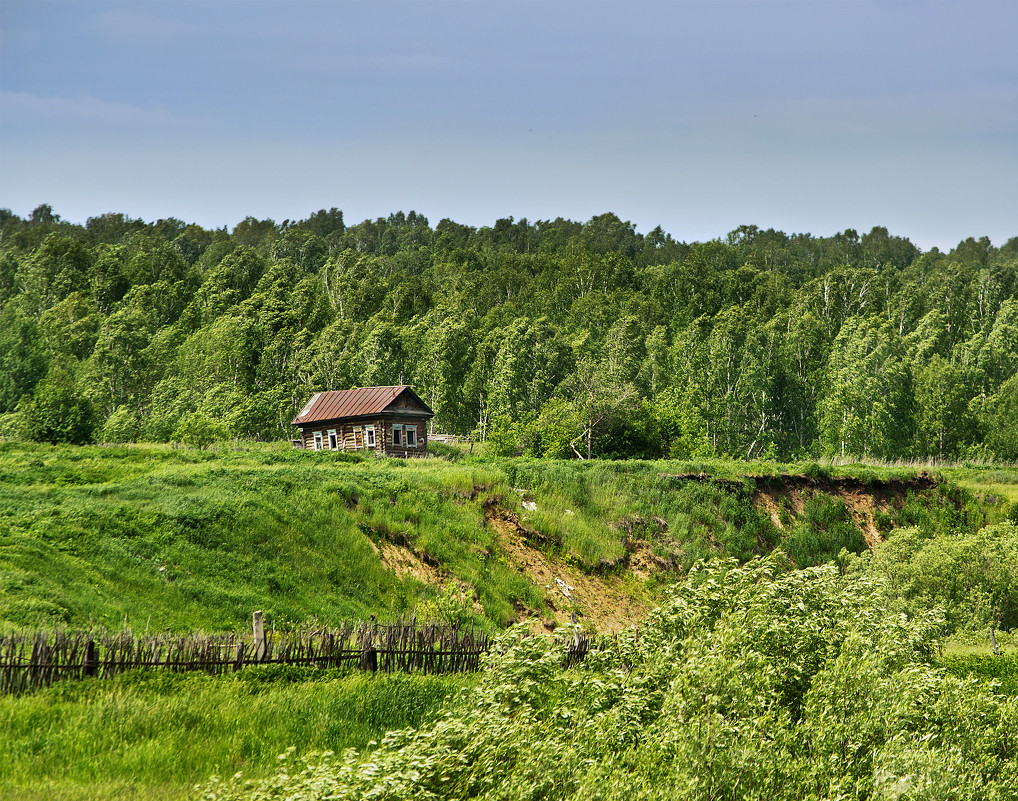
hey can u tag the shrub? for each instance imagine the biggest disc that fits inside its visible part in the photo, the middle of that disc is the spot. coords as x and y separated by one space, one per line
748 683
121 426
198 431
973 576
57 412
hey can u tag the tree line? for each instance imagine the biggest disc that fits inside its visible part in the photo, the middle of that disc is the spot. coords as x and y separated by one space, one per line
553 338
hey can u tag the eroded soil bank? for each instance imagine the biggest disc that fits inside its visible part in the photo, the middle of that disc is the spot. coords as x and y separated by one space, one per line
613 594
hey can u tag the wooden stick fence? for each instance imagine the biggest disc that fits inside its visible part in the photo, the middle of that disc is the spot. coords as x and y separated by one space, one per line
32 660
38 659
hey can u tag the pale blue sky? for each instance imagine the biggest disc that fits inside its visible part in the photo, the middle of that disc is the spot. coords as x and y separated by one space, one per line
698 115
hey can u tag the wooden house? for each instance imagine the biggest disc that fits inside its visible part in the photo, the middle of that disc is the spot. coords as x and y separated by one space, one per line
391 421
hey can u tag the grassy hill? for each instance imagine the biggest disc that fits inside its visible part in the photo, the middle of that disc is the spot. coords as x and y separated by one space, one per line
164 539
167 539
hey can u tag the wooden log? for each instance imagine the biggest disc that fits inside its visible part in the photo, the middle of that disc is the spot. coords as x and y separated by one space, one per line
259 645
91 665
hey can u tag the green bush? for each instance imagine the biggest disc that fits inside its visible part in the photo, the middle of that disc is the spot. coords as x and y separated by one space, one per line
1000 669
123 425
57 412
972 576
824 528
748 683
199 431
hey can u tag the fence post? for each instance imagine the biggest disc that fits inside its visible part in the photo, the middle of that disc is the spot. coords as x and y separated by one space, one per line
369 659
91 660
369 654
259 637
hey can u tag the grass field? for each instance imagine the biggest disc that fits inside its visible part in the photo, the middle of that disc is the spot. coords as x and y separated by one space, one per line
155 735
178 540
183 540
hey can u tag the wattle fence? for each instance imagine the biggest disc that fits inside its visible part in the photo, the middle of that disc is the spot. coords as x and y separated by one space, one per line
38 659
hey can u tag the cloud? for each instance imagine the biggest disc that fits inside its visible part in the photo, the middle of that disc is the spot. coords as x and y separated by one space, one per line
24 108
136 24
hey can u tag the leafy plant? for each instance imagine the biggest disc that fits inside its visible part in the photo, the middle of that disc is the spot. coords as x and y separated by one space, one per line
973 576
198 431
748 683
450 607
57 412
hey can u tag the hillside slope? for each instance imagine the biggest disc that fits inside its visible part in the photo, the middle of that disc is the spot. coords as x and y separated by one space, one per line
166 539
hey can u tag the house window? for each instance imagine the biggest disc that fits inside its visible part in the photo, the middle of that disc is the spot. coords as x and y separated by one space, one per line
369 436
318 440
333 442
411 436
397 435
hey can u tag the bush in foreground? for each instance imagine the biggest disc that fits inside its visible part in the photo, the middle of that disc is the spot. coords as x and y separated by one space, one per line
746 684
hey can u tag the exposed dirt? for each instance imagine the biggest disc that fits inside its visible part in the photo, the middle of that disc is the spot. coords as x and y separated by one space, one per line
605 601
789 503
404 562
612 595
784 498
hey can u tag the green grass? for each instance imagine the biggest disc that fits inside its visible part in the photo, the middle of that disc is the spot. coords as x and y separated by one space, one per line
182 540
176 540
155 735
584 504
996 488
1002 668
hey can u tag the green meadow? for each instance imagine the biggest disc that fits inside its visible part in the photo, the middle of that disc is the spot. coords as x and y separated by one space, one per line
162 539
156 735
168 540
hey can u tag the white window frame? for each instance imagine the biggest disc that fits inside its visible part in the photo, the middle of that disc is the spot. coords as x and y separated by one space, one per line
410 436
333 440
318 440
369 437
397 435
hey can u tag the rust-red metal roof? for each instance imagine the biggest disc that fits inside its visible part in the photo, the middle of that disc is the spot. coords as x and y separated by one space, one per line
355 403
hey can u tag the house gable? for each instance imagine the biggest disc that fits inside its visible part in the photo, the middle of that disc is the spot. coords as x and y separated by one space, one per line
347 404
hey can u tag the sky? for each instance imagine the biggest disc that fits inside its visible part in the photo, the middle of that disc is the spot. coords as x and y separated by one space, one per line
809 116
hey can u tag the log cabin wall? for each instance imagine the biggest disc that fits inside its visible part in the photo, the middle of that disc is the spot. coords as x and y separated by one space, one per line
353 436
388 420
420 428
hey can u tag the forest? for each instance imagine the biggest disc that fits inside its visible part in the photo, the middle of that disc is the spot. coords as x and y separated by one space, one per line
551 338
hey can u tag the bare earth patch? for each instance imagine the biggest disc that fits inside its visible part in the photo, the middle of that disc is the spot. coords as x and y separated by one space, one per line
608 603
863 501
404 562
615 598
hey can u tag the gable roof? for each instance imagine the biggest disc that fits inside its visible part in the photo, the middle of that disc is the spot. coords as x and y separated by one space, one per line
359 403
